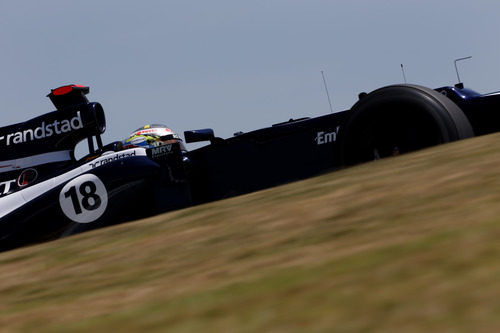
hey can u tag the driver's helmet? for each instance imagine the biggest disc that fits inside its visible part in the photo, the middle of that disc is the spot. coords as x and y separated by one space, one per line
151 136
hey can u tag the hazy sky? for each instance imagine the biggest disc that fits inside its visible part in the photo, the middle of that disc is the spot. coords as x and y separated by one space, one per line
236 65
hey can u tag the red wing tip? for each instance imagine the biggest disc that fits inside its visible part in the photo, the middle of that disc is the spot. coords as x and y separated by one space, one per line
66 89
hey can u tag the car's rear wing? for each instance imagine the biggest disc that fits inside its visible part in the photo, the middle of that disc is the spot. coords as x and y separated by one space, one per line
53 136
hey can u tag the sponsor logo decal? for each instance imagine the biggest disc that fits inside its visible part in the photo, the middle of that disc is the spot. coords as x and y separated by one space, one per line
105 160
27 177
43 131
322 137
160 151
5 186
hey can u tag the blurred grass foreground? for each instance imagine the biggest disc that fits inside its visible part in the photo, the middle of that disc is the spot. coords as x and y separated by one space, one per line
408 244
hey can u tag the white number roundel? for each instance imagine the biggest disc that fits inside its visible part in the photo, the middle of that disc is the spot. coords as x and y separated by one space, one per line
84 199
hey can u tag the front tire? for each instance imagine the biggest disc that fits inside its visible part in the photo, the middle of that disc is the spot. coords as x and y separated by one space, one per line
398 119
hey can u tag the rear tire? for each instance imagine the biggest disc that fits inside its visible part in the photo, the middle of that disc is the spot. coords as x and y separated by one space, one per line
398 119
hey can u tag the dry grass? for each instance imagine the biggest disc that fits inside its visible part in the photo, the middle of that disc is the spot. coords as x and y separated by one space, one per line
405 244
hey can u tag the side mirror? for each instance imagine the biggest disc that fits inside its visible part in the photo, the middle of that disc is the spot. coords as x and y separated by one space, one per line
206 134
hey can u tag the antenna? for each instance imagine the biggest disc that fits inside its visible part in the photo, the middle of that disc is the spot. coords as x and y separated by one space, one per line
403 70
456 69
327 94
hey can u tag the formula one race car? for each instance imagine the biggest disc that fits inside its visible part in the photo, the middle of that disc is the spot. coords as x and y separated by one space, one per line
46 193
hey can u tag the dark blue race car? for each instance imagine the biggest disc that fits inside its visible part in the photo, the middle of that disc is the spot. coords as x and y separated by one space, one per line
46 193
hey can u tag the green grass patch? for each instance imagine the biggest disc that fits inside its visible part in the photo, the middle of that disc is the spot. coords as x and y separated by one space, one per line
403 244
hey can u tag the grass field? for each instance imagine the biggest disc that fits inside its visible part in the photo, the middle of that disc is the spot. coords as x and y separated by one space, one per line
408 244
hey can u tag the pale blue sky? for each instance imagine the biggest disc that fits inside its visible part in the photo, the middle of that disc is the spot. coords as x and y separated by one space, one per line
236 65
